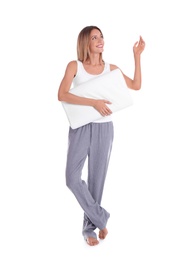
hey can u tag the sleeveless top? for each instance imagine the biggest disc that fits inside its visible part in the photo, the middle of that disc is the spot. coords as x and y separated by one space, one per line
82 76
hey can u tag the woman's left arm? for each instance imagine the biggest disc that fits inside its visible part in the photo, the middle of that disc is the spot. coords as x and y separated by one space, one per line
135 83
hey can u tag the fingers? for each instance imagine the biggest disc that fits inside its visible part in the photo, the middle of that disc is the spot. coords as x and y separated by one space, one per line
139 46
105 110
141 41
136 43
107 102
102 108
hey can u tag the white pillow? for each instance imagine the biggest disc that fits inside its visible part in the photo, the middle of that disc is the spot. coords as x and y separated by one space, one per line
109 86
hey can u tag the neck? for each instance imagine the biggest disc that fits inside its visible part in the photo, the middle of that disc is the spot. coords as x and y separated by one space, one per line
94 60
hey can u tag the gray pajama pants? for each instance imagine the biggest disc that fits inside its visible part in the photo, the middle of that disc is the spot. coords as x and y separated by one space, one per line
94 141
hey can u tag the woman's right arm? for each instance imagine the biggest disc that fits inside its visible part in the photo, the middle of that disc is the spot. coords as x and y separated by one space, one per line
64 95
63 92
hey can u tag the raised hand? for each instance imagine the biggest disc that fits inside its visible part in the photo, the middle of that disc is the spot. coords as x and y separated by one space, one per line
139 46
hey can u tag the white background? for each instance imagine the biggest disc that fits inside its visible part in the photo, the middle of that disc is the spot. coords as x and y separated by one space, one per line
146 187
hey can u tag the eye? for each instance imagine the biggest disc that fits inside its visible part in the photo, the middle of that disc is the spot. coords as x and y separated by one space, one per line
94 38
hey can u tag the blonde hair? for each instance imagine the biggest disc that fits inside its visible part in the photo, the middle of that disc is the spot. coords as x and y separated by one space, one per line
83 52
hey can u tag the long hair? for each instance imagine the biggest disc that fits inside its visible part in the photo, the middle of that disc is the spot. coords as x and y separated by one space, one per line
83 52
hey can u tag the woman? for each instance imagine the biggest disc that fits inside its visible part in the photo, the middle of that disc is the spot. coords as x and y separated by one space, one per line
94 140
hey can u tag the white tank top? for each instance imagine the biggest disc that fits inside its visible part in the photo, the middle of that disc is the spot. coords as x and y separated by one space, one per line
82 76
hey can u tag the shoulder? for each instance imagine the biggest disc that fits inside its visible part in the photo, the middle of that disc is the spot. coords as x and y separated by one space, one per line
72 67
113 67
72 64
127 79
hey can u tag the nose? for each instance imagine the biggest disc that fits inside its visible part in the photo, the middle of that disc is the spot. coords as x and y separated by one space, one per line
100 40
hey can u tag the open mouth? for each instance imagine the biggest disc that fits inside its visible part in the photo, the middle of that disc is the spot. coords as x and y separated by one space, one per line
99 46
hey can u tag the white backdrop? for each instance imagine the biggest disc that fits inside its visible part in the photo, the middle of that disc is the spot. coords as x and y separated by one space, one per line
146 187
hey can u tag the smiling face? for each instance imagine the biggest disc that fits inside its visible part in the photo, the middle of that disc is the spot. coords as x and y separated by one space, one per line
96 43
90 42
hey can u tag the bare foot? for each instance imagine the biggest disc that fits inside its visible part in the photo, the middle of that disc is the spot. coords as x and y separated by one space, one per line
103 233
92 241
